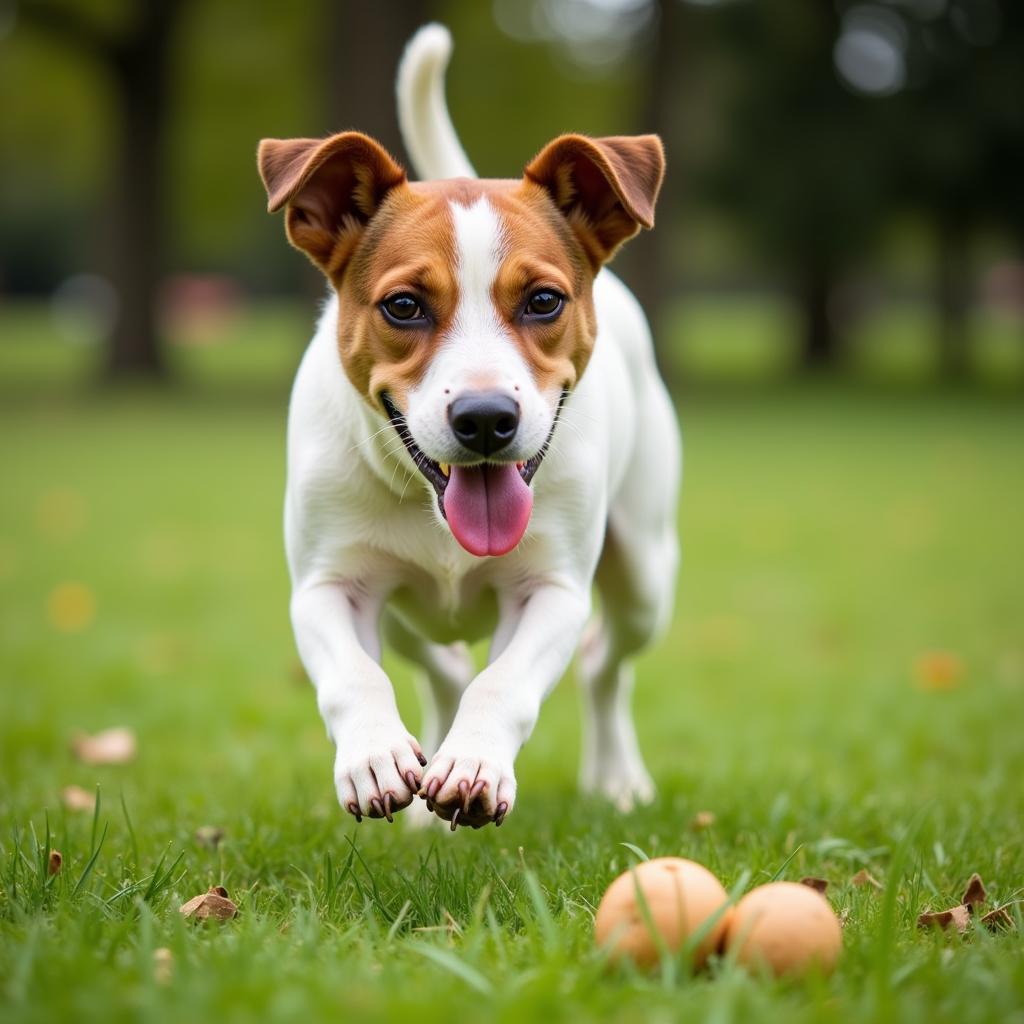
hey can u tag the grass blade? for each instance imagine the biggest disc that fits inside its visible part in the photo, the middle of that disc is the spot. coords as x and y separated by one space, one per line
455 965
87 870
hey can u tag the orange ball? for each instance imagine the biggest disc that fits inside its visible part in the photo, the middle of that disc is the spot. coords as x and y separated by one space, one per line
681 895
786 927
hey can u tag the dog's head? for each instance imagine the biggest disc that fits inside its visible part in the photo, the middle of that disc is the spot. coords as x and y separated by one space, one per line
465 306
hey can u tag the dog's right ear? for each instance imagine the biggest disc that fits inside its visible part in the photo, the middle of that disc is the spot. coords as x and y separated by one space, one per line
331 188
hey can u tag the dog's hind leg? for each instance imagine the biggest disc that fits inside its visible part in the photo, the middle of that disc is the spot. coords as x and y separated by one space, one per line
636 579
611 764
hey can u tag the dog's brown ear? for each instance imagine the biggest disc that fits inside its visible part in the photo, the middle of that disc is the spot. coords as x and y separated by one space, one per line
331 188
605 187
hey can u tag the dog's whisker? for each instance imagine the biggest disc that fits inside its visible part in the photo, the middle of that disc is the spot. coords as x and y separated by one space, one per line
367 440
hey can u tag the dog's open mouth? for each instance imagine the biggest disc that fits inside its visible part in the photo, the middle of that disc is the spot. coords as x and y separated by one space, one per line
488 504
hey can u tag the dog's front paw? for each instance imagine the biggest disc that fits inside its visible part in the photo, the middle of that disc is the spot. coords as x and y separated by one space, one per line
377 769
469 788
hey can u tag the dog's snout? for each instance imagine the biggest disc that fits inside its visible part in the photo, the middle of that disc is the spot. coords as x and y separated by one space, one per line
485 421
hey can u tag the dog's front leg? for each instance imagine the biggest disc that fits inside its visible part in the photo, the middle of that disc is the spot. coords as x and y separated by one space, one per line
378 764
470 779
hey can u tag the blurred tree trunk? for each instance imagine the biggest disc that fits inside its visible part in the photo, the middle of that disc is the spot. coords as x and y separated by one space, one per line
648 262
953 296
814 290
140 65
364 40
137 60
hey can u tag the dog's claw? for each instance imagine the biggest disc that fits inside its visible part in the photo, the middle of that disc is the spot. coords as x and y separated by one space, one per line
353 809
376 807
410 781
478 787
499 814
464 796
387 808
431 791
422 760
455 818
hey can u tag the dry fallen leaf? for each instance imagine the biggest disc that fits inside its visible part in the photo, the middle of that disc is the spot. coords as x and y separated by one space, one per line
975 893
998 920
702 820
818 884
163 964
209 836
77 799
938 671
864 877
55 862
213 903
112 746
958 916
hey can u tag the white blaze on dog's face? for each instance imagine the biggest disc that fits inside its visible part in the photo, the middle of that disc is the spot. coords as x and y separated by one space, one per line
478 353
465 306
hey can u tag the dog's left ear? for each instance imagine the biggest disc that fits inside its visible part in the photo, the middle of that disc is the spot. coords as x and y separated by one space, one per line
605 187
331 187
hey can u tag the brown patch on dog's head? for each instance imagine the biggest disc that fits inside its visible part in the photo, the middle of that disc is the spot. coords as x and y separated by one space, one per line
543 253
408 247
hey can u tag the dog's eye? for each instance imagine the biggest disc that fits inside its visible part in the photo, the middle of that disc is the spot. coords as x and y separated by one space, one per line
402 308
544 304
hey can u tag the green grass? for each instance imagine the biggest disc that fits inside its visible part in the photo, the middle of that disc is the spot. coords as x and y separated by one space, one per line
831 535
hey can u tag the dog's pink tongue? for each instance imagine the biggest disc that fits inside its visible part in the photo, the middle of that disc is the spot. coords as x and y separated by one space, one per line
488 507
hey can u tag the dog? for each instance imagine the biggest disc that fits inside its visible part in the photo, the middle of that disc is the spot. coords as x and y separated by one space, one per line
477 436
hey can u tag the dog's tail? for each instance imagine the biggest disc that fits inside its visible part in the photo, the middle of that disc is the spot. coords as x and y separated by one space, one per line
427 129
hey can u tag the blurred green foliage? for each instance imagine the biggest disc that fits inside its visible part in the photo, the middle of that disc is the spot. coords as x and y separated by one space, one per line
796 165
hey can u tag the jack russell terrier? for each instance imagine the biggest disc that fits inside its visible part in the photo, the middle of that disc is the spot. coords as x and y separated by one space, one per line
477 435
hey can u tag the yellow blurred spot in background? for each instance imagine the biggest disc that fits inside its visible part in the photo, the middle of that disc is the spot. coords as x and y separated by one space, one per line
71 607
61 513
938 671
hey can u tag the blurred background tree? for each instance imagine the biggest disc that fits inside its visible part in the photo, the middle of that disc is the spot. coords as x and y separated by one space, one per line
827 159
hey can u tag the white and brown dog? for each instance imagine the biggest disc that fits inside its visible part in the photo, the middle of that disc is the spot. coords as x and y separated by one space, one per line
477 435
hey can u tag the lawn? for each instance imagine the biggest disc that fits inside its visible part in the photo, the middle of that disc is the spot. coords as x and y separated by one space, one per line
834 537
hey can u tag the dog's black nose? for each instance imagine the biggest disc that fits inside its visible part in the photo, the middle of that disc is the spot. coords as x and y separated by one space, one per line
484 422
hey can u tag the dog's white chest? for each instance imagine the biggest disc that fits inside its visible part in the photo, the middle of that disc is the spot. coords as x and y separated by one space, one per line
447 609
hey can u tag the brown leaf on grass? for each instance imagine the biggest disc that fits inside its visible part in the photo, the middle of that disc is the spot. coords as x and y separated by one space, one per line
54 863
163 964
77 799
818 884
209 836
213 903
998 920
975 893
112 746
959 917
864 877
702 820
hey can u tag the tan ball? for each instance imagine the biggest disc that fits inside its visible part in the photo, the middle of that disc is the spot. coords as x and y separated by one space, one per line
680 894
786 927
